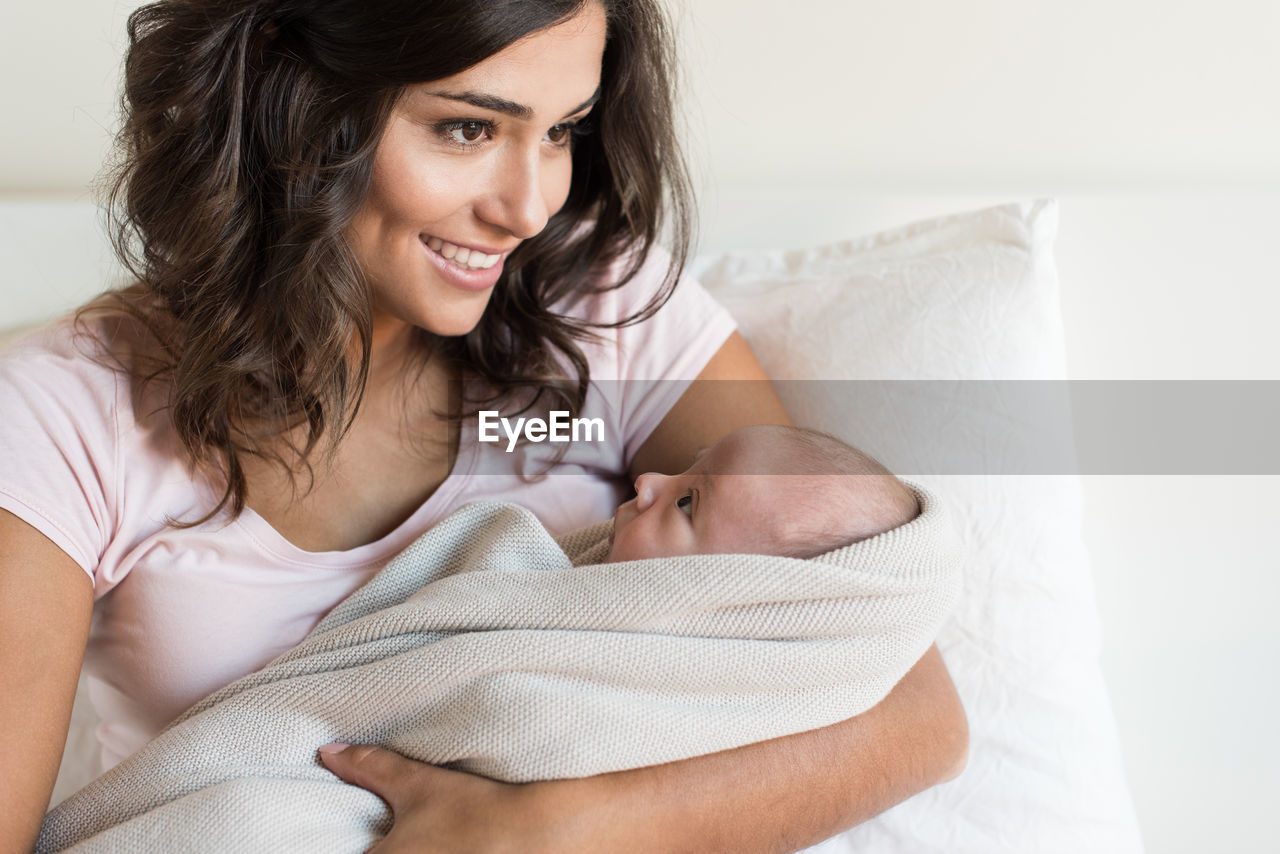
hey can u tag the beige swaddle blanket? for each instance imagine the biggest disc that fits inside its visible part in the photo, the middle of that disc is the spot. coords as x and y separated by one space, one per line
490 647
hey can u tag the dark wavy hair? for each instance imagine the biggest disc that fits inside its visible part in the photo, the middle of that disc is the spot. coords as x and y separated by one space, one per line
246 149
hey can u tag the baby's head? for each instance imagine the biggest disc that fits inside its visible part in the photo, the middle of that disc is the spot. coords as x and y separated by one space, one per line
763 490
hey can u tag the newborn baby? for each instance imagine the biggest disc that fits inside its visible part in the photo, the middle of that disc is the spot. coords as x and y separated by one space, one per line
762 490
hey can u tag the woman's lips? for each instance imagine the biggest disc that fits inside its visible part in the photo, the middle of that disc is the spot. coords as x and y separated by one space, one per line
461 276
467 257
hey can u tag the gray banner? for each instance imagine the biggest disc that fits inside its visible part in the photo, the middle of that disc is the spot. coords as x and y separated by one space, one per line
963 427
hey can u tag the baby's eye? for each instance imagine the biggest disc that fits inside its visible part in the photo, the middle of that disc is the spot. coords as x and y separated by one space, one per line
685 503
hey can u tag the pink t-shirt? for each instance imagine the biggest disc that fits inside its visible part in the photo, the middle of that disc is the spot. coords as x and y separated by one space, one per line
181 612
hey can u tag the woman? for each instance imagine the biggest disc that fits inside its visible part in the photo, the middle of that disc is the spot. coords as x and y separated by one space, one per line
353 224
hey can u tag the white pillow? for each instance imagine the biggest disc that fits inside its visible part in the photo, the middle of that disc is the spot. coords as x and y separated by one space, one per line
966 297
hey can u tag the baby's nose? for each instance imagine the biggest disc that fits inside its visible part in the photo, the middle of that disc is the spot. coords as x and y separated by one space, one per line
647 489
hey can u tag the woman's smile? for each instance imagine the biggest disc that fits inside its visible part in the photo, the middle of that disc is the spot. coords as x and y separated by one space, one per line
468 257
466 268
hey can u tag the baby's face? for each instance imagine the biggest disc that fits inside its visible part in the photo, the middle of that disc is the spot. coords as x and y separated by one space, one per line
707 509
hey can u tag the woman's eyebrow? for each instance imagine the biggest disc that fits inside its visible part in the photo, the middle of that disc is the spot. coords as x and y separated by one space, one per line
499 104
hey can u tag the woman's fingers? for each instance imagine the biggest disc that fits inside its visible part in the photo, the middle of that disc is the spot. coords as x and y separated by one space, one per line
388 775
439 811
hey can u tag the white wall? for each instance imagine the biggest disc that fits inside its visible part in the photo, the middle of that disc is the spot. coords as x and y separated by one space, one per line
59 70
937 92
904 92
1154 99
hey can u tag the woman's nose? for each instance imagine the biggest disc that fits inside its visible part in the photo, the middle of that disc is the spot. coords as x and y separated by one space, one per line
517 202
648 486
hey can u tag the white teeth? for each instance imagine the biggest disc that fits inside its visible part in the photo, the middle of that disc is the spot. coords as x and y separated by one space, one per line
462 256
481 261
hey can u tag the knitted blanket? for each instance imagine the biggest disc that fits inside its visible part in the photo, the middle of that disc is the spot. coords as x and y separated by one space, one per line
489 647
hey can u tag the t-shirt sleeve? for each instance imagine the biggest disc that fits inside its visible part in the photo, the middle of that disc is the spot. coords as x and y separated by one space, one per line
58 441
658 358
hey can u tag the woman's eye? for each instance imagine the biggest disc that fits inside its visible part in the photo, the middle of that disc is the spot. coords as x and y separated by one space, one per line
686 503
470 131
559 134
465 133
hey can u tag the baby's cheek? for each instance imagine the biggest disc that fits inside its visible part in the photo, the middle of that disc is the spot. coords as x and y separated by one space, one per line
620 546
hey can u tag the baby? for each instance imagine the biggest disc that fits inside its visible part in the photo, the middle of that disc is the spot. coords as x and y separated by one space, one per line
762 490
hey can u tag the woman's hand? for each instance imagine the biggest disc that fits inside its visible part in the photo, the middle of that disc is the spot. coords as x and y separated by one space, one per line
444 812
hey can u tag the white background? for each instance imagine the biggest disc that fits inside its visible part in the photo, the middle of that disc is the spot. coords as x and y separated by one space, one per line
1155 121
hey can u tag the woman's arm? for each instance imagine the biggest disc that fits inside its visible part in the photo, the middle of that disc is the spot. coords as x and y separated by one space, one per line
774 796
766 798
45 606
780 795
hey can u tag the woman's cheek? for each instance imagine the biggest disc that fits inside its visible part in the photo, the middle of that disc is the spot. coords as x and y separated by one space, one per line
561 178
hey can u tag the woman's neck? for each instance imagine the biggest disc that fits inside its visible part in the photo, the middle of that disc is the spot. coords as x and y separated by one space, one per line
392 350
402 378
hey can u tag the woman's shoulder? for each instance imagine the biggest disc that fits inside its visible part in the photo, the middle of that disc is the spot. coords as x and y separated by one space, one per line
56 358
625 287
644 286
12 334
96 347
79 373
670 329
60 437
78 435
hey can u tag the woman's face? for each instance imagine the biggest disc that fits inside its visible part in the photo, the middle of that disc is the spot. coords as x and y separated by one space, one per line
468 167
